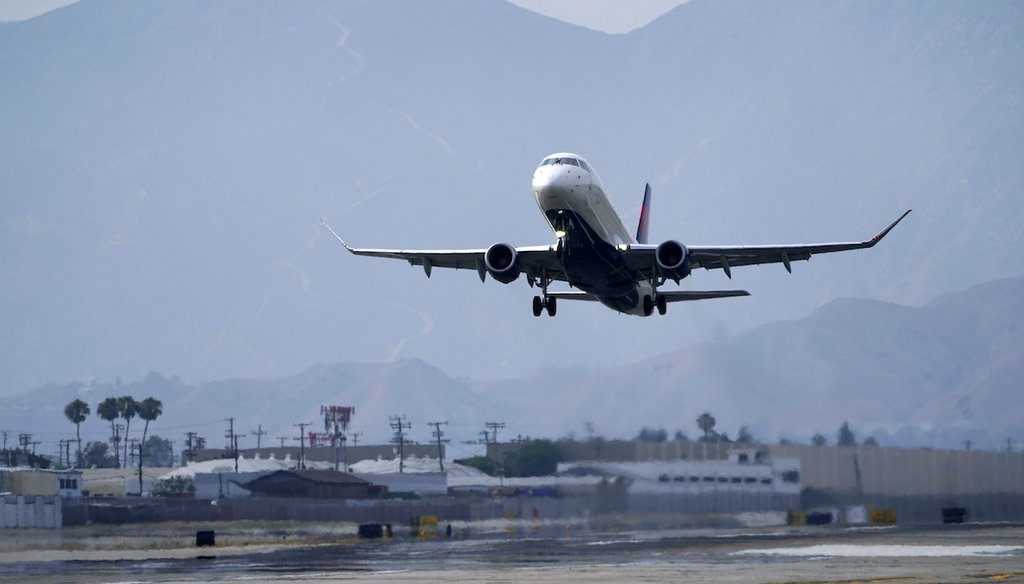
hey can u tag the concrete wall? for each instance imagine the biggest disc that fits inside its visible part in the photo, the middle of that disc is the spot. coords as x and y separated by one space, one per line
907 472
918 483
18 511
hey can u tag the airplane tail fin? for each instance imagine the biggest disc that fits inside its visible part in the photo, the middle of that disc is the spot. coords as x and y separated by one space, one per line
645 215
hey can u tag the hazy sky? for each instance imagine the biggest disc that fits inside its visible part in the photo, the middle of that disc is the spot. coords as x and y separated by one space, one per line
612 16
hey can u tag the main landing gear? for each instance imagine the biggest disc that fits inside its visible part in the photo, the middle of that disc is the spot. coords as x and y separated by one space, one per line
542 302
660 302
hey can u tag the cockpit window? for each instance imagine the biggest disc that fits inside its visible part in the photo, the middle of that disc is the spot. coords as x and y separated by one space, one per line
566 160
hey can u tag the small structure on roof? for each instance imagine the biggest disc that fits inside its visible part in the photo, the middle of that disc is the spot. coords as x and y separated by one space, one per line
313 484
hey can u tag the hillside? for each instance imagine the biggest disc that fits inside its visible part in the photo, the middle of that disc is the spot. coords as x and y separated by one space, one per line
935 375
164 165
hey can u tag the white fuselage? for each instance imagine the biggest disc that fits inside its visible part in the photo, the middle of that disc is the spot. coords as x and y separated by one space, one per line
569 186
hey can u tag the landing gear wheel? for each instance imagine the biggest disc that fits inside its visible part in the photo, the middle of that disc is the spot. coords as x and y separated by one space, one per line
538 306
552 307
662 304
648 305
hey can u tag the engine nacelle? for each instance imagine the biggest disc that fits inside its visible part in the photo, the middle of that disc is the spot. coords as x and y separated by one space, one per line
502 262
673 260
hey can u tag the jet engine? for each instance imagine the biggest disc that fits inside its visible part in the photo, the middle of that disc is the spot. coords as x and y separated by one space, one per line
502 262
673 260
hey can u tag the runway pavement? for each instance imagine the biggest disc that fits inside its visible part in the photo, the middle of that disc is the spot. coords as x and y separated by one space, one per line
963 553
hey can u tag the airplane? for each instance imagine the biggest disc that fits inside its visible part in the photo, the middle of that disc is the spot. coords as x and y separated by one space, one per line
595 254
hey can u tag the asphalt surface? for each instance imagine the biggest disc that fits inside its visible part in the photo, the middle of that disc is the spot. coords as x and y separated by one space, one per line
968 553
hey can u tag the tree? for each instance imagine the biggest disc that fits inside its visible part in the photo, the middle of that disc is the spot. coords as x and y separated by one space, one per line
97 455
745 437
159 452
108 410
77 412
652 435
870 441
706 423
149 410
175 486
481 463
846 436
680 435
535 458
819 440
127 407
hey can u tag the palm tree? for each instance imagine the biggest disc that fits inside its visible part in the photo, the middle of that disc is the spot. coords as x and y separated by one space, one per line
127 407
706 423
77 412
149 409
108 410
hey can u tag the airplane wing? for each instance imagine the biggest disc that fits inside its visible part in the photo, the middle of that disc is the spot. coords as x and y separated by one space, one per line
532 259
640 258
670 296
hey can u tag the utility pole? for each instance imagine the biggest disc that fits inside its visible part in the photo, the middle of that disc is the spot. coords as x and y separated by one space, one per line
355 438
494 427
438 435
399 424
140 467
259 433
302 442
60 452
132 444
232 440
282 439
117 445
190 446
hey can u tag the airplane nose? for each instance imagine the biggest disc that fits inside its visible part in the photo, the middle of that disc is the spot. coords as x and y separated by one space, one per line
551 180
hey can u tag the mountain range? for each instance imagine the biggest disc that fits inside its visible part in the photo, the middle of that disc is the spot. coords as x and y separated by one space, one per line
164 165
936 375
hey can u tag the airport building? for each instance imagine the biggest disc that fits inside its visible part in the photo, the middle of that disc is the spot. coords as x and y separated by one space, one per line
917 483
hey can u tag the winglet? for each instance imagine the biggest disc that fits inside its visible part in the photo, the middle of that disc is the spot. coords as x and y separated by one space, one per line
885 231
645 216
335 234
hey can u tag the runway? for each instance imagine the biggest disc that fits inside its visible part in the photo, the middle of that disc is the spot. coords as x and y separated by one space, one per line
965 553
